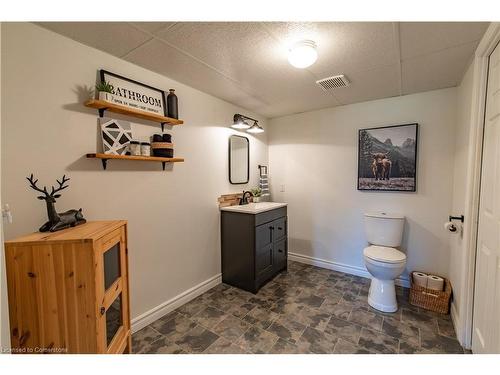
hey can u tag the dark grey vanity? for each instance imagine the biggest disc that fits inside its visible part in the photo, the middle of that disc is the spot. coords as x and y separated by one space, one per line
254 244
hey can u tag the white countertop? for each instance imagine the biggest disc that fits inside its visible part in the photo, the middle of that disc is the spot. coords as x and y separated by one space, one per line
254 208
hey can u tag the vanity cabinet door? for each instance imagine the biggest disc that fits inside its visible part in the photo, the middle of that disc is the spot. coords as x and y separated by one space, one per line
279 253
264 250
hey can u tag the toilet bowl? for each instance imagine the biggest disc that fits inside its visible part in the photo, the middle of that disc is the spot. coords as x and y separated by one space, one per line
385 264
382 259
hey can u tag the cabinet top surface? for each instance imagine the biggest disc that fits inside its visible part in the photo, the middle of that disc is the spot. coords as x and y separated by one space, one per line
254 208
89 231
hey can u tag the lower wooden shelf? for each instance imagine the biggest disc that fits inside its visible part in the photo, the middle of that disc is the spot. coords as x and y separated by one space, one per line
105 157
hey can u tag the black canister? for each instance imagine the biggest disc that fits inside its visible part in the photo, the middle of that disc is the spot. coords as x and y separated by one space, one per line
166 138
172 108
157 138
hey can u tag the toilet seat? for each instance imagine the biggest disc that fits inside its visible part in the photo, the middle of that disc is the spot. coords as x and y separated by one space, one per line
384 254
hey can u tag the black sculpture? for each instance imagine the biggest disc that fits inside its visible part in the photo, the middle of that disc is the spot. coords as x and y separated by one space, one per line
61 220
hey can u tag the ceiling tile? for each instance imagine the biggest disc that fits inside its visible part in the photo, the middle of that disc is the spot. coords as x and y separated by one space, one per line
437 70
420 38
244 52
116 38
343 47
168 61
372 84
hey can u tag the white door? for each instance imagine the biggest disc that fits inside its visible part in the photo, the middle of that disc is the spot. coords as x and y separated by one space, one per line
486 318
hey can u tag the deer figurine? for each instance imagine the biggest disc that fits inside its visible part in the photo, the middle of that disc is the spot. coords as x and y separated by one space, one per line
61 220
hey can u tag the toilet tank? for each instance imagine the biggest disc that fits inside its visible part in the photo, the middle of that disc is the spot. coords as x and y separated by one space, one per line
384 229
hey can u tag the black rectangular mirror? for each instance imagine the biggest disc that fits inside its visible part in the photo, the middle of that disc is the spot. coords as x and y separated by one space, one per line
239 159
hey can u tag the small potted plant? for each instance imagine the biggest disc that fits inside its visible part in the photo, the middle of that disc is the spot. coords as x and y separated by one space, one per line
257 193
105 90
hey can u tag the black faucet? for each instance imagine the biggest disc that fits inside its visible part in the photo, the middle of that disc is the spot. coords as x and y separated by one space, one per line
243 200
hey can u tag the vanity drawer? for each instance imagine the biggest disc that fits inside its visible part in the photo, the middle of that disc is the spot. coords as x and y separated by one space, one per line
267 216
279 228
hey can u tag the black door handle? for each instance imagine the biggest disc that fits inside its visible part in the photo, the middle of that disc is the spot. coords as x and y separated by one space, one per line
279 228
280 251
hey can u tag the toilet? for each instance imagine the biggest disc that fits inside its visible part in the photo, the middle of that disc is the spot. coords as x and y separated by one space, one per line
383 260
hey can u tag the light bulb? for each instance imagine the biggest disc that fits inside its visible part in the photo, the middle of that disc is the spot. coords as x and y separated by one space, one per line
255 129
303 54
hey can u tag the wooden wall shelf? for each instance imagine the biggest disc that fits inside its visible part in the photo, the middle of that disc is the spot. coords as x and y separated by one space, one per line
102 106
105 157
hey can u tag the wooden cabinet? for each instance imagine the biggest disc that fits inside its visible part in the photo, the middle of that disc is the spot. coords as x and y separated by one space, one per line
254 247
68 290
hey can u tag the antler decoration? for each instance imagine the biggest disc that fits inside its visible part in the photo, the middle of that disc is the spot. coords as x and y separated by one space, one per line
34 187
61 185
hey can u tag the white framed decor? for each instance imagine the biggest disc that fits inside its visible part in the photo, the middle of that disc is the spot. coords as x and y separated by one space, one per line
116 135
136 95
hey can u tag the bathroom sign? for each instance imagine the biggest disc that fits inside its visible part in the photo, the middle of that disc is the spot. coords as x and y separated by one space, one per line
136 95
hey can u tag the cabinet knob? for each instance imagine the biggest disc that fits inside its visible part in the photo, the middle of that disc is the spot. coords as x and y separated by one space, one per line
271 227
279 228
103 310
280 251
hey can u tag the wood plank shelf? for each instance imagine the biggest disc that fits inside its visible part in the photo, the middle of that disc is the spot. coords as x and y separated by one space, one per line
105 157
102 106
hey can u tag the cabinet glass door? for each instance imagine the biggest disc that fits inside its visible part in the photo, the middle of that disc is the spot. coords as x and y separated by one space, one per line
114 319
113 292
111 265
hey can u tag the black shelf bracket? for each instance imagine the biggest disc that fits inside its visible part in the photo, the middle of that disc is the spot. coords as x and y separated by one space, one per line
162 126
104 163
461 218
101 112
163 164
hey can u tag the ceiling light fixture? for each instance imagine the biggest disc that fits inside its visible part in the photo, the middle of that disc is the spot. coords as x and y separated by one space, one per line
239 122
303 54
255 129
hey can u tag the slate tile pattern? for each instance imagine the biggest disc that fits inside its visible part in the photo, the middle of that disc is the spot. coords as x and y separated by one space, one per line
304 310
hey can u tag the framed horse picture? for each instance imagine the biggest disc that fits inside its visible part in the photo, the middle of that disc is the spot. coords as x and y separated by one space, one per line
387 158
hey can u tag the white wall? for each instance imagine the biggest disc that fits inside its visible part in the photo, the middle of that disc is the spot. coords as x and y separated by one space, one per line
4 311
314 155
173 215
458 248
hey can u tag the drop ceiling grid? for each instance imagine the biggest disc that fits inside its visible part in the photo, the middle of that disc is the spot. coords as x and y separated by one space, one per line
248 65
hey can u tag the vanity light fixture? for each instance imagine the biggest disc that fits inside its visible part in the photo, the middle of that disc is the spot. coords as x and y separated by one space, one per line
303 54
240 123
255 129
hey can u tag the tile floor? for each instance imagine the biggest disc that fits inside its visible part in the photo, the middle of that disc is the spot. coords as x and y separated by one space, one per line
305 310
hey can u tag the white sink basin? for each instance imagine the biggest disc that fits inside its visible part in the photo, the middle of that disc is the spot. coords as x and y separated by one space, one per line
254 208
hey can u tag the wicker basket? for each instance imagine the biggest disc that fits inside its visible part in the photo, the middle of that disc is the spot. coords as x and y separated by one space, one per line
430 299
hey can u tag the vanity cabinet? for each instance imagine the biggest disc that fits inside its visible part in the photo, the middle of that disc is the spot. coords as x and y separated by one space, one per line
254 247
68 290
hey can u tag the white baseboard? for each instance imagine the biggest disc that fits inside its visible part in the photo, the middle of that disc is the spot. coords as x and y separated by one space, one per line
340 267
157 312
455 318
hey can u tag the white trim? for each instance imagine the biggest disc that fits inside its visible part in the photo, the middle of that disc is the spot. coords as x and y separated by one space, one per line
485 48
164 308
340 267
455 318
